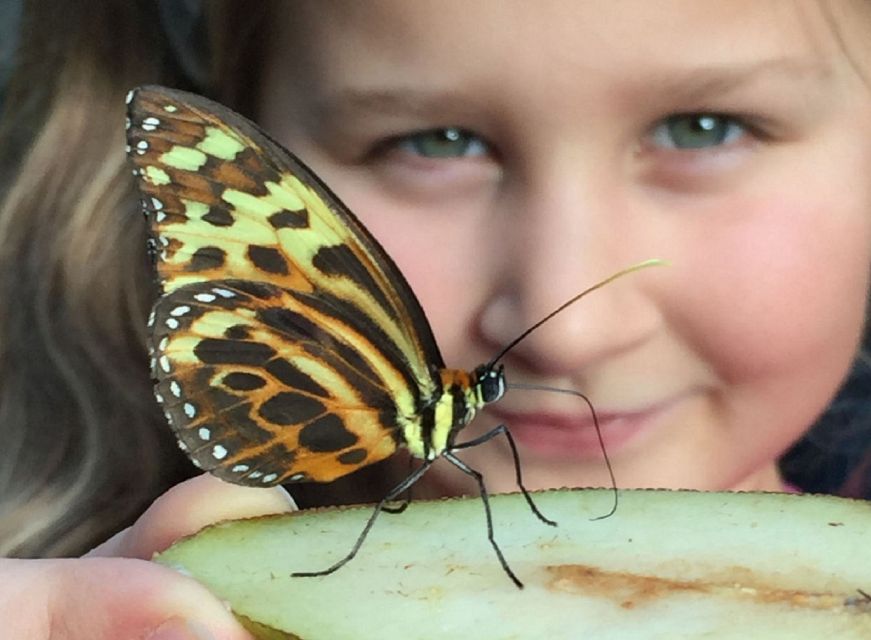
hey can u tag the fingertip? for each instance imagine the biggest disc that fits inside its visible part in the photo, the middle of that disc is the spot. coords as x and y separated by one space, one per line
111 598
190 506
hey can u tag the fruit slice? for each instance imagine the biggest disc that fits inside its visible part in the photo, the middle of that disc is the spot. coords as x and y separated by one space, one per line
668 564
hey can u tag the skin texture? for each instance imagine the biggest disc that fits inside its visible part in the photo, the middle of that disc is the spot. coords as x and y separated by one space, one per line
567 170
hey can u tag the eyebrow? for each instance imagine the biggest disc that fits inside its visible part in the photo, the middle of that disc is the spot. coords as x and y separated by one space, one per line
401 100
704 81
695 84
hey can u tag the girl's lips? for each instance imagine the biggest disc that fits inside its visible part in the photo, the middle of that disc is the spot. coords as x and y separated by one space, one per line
560 435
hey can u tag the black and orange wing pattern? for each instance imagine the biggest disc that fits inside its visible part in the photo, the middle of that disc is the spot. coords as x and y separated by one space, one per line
286 344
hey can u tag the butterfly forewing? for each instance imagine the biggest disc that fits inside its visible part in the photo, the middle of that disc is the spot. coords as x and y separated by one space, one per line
287 345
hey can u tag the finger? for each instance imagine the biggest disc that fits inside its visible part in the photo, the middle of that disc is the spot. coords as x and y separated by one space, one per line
108 599
187 508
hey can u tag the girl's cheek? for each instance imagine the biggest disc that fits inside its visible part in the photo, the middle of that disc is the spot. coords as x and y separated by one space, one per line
779 286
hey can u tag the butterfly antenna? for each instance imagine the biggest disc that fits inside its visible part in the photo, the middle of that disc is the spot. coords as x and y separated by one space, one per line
537 387
636 267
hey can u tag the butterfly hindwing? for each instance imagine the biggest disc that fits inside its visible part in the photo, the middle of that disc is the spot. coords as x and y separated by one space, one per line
261 389
231 211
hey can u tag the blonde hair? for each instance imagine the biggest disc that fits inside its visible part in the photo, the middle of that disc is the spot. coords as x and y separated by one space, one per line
82 446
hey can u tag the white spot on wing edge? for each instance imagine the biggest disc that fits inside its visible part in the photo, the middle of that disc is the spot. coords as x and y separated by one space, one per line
204 434
220 452
204 297
170 108
189 410
129 97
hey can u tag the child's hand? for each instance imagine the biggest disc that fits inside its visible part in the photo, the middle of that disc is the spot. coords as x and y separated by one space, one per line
113 593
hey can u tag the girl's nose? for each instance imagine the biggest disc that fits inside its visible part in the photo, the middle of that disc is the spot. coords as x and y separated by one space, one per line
563 237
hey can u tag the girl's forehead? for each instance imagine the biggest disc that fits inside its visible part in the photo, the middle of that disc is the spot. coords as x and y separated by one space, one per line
557 23
499 45
446 38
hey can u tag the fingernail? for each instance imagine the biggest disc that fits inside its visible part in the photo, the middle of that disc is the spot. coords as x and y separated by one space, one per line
179 629
285 495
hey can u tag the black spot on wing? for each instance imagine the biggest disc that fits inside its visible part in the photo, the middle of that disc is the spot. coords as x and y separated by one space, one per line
206 258
268 259
219 217
287 219
218 351
289 375
243 381
238 332
354 456
288 408
326 434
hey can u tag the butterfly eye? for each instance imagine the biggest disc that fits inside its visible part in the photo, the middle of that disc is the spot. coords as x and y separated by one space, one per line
492 383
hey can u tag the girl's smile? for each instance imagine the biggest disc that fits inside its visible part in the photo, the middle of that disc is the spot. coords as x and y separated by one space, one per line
509 155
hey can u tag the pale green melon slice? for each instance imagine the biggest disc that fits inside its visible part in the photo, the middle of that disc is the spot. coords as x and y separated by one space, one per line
668 564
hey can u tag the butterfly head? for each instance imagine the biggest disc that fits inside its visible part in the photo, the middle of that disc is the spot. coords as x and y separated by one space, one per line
489 380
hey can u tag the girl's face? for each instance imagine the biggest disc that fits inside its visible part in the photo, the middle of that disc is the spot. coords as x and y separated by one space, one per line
510 154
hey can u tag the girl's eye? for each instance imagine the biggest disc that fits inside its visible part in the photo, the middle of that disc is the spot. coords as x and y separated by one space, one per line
697 131
448 142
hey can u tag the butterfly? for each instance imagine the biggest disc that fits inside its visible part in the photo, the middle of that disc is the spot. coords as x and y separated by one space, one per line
286 345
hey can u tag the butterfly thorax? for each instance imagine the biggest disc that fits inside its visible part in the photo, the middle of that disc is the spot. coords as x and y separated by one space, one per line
461 396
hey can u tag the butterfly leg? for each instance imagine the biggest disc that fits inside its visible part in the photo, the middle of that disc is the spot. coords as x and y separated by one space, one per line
398 489
503 431
462 466
402 504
